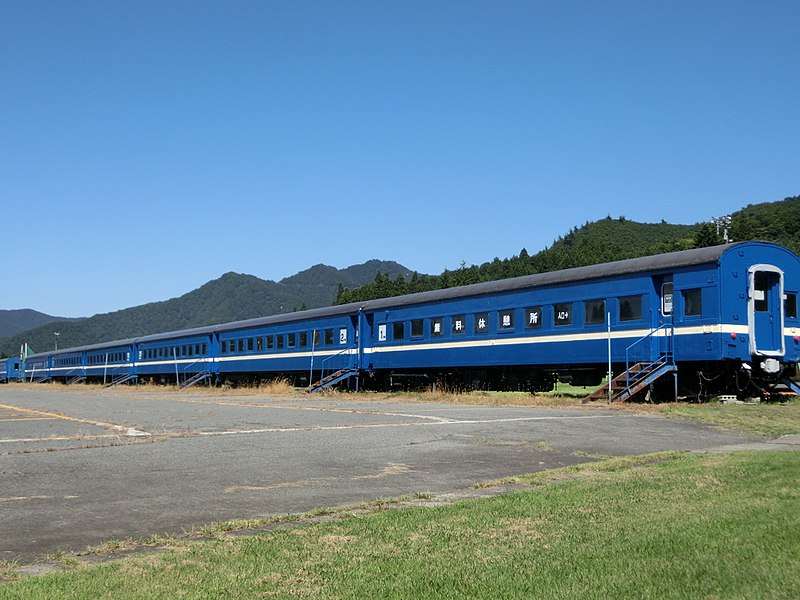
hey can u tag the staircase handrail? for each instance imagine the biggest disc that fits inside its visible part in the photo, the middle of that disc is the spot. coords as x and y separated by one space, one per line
666 356
345 351
202 359
192 365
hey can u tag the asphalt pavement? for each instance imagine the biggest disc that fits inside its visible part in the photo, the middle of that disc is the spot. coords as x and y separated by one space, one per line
81 466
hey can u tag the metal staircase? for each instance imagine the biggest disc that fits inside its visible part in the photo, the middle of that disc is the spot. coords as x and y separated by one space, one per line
339 366
640 368
636 378
196 378
75 376
331 379
123 378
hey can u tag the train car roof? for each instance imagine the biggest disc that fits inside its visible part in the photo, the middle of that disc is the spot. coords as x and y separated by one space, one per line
658 262
654 263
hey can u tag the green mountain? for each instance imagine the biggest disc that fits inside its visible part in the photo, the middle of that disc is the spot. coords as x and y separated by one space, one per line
15 321
232 297
600 241
777 222
603 241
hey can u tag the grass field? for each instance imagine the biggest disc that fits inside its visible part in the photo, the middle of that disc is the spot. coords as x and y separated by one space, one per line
770 419
674 526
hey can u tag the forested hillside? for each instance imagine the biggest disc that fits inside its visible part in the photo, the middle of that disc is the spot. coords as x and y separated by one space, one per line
603 241
777 222
14 321
232 297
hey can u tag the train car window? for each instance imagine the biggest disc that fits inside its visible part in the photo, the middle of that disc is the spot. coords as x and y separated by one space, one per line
259 343
630 308
482 323
437 326
790 305
316 338
562 314
191 349
291 340
692 304
760 285
270 342
250 344
303 341
281 341
398 331
594 312
666 299
241 344
459 324
506 320
205 349
329 337
533 317
223 347
417 328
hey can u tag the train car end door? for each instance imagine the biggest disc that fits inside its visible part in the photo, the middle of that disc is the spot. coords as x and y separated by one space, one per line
765 311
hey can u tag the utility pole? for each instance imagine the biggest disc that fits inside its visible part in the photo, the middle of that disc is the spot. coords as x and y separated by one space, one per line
722 223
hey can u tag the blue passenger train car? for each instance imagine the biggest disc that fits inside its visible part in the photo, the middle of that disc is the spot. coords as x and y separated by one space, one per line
722 317
698 322
179 356
9 369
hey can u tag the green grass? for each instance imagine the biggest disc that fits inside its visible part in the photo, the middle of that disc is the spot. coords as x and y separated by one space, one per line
689 526
771 419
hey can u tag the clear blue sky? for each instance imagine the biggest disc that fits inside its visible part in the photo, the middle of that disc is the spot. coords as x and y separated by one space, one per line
147 147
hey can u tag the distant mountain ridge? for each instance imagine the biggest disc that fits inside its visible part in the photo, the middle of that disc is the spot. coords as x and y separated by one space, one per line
231 297
15 321
605 240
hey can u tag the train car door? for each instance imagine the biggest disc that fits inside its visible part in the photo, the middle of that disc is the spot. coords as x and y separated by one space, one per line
765 310
665 290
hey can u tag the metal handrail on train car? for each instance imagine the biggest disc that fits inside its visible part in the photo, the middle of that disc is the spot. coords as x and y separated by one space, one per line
337 367
665 357
204 360
75 375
